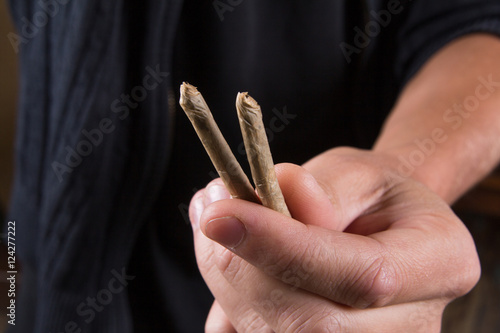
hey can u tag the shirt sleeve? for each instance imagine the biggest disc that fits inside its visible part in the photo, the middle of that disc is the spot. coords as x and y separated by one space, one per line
430 24
93 138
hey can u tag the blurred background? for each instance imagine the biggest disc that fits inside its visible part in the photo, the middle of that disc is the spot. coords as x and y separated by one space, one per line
477 312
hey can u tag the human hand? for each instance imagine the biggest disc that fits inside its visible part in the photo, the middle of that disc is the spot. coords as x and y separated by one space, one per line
366 251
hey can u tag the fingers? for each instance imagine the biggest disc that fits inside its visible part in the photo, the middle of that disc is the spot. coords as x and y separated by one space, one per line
260 303
276 272
398 265
214 191
252 298
306 199
217 321
273 303
245 319
401 264
344 268
355 180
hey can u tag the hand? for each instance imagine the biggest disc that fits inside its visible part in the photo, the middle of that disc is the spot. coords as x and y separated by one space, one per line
366 251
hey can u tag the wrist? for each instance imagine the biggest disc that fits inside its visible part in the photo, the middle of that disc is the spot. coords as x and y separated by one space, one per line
420 162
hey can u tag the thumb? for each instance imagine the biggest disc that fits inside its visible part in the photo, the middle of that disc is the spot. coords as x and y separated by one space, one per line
305 198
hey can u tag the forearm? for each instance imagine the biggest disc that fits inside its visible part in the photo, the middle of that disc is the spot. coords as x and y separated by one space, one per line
445 128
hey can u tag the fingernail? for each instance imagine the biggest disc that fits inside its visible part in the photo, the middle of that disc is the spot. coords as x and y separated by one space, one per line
197 207
215 193
228 231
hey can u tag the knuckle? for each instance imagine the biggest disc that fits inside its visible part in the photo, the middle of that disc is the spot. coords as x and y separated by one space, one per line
471 277
230 265
467 279
376 285
466 273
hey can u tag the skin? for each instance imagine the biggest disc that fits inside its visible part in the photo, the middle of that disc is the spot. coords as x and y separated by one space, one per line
369 248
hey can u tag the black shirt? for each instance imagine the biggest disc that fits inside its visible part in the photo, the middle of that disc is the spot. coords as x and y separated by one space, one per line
326 73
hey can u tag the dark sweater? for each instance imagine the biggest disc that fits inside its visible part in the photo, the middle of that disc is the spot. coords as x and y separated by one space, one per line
106 164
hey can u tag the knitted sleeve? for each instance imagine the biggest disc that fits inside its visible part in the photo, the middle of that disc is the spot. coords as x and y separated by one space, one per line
92 147
429 25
